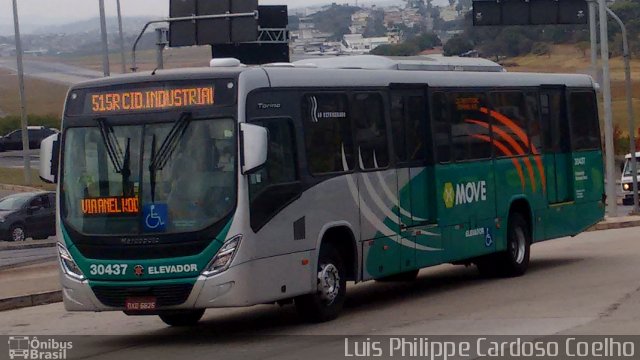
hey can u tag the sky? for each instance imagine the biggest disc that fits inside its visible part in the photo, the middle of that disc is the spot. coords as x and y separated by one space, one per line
65 11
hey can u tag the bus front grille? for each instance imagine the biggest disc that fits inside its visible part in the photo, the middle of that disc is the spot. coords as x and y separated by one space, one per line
166 295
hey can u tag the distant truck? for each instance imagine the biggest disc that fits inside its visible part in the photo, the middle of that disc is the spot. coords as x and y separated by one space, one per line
627 180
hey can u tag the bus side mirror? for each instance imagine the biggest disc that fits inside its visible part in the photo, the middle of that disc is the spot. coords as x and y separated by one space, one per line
254 140
50 158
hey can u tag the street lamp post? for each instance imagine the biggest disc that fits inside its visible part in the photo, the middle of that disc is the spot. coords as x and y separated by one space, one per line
612 206
123 60
627 77
23 107
105 44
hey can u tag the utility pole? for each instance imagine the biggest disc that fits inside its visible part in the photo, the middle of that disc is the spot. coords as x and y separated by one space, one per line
105 44
593 34
23 107
122 57
632 135
612 206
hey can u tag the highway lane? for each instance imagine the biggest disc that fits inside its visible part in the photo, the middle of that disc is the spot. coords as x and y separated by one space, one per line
14 159
13 258
52 71
583 285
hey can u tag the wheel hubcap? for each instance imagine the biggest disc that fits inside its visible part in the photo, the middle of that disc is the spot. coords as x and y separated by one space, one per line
18 234
328 282
518 246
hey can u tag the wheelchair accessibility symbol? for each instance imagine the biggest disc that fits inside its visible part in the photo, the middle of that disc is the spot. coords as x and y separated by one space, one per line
488 239
155 217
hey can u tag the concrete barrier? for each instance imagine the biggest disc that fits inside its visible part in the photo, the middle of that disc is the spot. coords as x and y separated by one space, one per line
17 302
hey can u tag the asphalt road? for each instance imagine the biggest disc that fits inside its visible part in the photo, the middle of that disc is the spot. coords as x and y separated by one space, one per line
13 258
583 285
14 159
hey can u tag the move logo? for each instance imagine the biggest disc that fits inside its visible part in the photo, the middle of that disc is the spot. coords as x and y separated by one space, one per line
465 193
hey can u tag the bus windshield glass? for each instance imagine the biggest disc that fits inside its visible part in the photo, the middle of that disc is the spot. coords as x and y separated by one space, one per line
155 178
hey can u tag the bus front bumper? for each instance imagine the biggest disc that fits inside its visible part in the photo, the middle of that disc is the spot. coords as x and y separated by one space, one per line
245 284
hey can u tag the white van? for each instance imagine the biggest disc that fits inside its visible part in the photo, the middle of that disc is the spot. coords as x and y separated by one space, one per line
627 180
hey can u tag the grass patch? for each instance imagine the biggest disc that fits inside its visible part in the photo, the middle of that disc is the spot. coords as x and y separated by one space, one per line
16 177
43 97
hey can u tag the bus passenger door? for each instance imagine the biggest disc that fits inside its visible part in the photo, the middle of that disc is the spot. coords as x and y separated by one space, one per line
557 159
416 178
377 182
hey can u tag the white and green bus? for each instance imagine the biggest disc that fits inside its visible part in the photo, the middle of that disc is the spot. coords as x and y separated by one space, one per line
188 189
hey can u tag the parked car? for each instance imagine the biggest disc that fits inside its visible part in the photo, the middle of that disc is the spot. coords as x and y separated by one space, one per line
13 140
28 215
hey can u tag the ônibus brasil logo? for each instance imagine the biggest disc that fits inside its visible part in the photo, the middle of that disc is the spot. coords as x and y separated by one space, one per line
31 348
465 193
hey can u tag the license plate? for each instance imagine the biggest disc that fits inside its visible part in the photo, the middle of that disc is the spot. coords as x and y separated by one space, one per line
140 304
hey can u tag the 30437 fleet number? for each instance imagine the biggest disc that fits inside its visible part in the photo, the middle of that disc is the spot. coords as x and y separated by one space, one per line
111 269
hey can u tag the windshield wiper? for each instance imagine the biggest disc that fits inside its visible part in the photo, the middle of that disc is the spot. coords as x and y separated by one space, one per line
159 160
121 162
111 144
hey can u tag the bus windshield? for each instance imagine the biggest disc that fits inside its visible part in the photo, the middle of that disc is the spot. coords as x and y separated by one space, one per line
154 178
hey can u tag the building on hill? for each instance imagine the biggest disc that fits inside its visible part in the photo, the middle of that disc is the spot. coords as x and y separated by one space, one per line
358 44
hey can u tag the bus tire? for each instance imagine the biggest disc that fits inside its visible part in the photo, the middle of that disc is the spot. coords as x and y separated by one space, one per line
407 276
327 301
515 260
182 318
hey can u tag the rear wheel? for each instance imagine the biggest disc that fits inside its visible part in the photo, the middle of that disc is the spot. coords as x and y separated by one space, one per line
327 301
182 318
515 260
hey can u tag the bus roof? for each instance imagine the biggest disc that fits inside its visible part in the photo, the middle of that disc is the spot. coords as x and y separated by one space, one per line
306 74
407 63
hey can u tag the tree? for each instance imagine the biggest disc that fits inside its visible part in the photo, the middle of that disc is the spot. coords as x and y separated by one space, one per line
583 46
396 50
457 45
375 25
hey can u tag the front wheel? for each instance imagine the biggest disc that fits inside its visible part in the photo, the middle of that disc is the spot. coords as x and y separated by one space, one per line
327 301
182 318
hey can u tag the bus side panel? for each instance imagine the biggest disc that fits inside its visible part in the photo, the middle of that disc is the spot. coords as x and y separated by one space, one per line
300 225
425 232
467 208
379 222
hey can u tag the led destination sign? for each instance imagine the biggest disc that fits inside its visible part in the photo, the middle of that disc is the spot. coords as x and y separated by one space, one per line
150 99
201 95
110 206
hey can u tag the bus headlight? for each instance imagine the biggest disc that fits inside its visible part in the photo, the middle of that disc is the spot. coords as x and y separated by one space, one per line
69 265
224 257
626 187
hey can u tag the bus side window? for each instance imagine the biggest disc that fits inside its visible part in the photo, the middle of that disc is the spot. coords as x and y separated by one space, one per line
470 135
554 122
327 133
408 119
371 130
585 129
510 121
535 130
276 184
441 128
